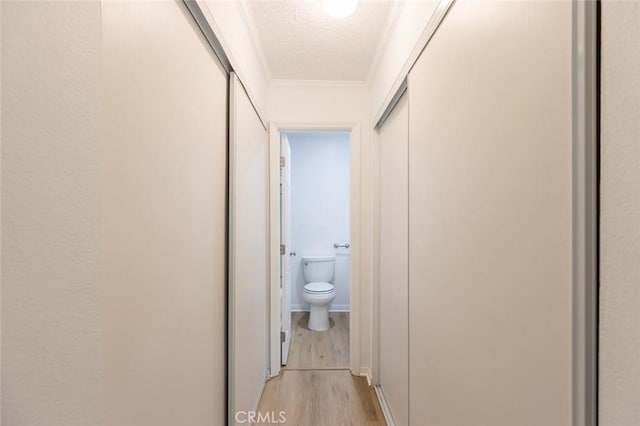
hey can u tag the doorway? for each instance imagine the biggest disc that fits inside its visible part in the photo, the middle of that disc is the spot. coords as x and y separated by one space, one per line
314 227
314 235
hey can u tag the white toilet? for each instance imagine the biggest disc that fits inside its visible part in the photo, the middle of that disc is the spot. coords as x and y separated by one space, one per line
318 290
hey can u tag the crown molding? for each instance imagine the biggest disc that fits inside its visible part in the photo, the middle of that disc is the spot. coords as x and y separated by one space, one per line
392 18
208 25
250 22
425 37
390 24
330 84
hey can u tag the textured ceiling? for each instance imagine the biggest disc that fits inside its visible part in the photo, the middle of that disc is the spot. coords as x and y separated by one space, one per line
301 42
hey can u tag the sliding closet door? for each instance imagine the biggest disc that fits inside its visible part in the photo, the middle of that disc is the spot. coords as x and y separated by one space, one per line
394 262
248 327
490 217
165 162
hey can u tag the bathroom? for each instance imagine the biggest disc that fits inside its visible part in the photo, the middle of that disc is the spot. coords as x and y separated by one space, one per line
316 218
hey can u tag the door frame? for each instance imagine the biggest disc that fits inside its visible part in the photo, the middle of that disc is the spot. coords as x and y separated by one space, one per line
285 239
275 129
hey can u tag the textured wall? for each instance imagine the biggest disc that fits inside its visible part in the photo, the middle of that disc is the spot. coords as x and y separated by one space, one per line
320 209
620 220
52 240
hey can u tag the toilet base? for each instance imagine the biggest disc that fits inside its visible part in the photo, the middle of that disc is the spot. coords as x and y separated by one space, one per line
319 317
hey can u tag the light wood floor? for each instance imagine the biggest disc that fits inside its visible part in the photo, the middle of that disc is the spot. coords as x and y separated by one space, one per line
316 387
322 398
319 350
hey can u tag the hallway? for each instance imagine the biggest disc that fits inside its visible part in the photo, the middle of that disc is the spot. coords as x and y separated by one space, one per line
316 388
480 222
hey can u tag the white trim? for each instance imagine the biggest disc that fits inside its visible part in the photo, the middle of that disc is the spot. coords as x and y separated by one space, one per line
206 12
330 84
429 30
366 373
333 308
274 251
250 22
354 231
386 410
231 249
356 250
392 18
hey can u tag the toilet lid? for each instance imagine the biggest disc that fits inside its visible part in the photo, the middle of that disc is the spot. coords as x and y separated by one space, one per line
318 287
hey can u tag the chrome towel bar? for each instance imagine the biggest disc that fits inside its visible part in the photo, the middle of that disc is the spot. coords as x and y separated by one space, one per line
345 245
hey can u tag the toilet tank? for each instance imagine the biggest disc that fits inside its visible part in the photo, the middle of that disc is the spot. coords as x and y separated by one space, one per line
318 268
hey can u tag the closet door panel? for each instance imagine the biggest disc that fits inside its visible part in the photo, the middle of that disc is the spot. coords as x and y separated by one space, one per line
394 262
490 218
165 163
248 291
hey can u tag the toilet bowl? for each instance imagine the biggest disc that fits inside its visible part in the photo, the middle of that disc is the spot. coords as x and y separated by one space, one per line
319 291
319 296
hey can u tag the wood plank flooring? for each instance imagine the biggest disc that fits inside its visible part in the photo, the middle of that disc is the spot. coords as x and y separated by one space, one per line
319 350
316 387
321 398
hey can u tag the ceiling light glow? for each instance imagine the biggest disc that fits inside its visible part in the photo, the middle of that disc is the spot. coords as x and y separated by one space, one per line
339 8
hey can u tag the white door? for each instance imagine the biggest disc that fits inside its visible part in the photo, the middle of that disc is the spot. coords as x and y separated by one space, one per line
248 253
490 241
394 261
285 240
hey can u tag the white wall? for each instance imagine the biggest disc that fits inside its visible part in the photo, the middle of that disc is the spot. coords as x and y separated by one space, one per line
165 112
320 209
229 22
410 24
52 217
620 215
490 217
311 105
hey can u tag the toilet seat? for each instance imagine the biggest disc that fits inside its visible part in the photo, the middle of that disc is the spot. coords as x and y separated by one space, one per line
318 288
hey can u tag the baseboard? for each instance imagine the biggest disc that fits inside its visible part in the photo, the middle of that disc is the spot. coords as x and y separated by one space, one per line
386 411
366 372
333 308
